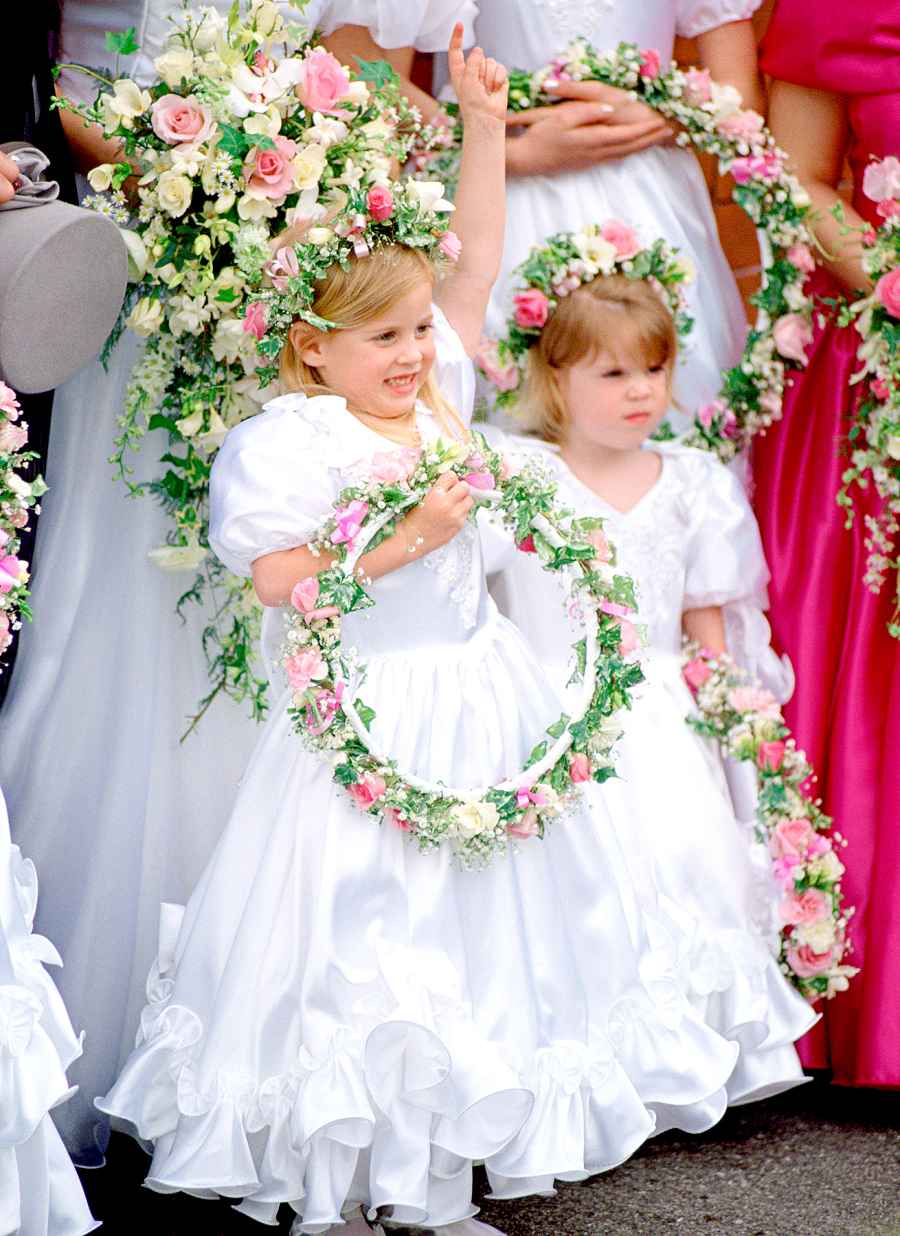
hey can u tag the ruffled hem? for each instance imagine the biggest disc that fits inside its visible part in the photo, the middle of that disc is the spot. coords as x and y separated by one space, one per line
394 1113
40 1193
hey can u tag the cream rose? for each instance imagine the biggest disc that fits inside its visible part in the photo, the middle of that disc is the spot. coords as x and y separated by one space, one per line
597 253
319 235
308 165
818 935
100 177
174 192
470 819
175 65
146 317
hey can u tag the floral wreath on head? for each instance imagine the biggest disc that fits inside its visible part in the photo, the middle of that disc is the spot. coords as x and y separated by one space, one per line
713 122
412 214
477 823
566 262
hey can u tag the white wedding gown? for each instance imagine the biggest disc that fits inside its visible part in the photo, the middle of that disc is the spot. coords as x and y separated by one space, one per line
336 1018
117 815
40 1194
691 541
660 191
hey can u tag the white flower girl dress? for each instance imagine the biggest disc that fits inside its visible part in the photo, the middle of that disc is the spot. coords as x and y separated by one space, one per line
337 1019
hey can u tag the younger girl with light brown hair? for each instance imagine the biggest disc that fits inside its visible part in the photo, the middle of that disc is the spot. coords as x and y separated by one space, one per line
596 354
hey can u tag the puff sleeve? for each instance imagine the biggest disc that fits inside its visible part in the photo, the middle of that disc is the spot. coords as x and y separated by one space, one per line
423 24
726 566
695 17
270 487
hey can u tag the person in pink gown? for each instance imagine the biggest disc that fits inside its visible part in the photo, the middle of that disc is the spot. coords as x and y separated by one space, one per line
836 97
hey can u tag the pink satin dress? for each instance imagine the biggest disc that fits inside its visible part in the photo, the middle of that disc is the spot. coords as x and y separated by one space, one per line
846 709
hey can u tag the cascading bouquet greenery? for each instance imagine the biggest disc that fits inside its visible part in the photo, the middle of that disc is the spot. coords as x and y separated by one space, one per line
17 497
249 129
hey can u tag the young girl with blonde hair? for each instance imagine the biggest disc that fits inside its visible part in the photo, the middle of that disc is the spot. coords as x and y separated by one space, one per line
339 1020
597 382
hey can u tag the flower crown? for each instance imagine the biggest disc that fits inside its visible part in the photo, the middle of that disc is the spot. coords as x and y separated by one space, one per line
566 262
410 213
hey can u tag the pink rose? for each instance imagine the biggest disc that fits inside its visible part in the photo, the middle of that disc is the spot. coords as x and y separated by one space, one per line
770 756
389 467
882 180
8 402
5 633
380 203
807 964
579 768
602 550
321 712
323 83
483 481
303 667
396 819
770 402
708 414
650 62
255 319
19 518
881 390
531 309
367 790
791 837
793 335
783 870
304 596
527 545
178 120
756 167
741 126
887 289
818 845
451 246
272 173
695 673
887 210
503 374
526 827
810 906
800 255
753 699
350 519
629 640
697 86
623 237
12 437
12 573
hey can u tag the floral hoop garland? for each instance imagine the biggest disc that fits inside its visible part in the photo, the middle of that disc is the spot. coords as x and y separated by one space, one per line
875 435
17 498
715 123
477 824
248 126
812 918
562 264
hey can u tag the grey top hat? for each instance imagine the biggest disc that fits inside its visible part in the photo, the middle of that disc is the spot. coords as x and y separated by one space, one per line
63 272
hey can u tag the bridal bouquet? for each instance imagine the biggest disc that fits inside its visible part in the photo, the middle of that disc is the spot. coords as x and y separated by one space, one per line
17 497
875 433
249 129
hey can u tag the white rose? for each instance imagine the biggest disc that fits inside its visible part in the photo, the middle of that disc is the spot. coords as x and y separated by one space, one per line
174 192
178 557
126 102
308 164
893 446
137 254
100 177
470 819
726 100
827 866
429 195
175 65
795 296
319 235
209 29
146 317
819 936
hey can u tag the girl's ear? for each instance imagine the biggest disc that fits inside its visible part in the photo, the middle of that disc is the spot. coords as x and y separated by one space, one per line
307 343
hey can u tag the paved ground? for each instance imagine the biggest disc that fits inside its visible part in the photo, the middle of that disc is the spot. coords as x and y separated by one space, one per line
820 1161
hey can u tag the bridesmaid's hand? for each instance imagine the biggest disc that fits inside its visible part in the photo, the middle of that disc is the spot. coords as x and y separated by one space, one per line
596 122
480 83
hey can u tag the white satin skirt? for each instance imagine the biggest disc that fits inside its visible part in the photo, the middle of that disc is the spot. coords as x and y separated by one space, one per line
338 1019
117 815
40 1194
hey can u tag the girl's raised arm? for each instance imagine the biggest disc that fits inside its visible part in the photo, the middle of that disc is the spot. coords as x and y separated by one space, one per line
481 88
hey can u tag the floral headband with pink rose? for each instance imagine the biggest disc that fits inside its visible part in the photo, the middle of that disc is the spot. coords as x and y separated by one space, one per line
563 264
411 213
